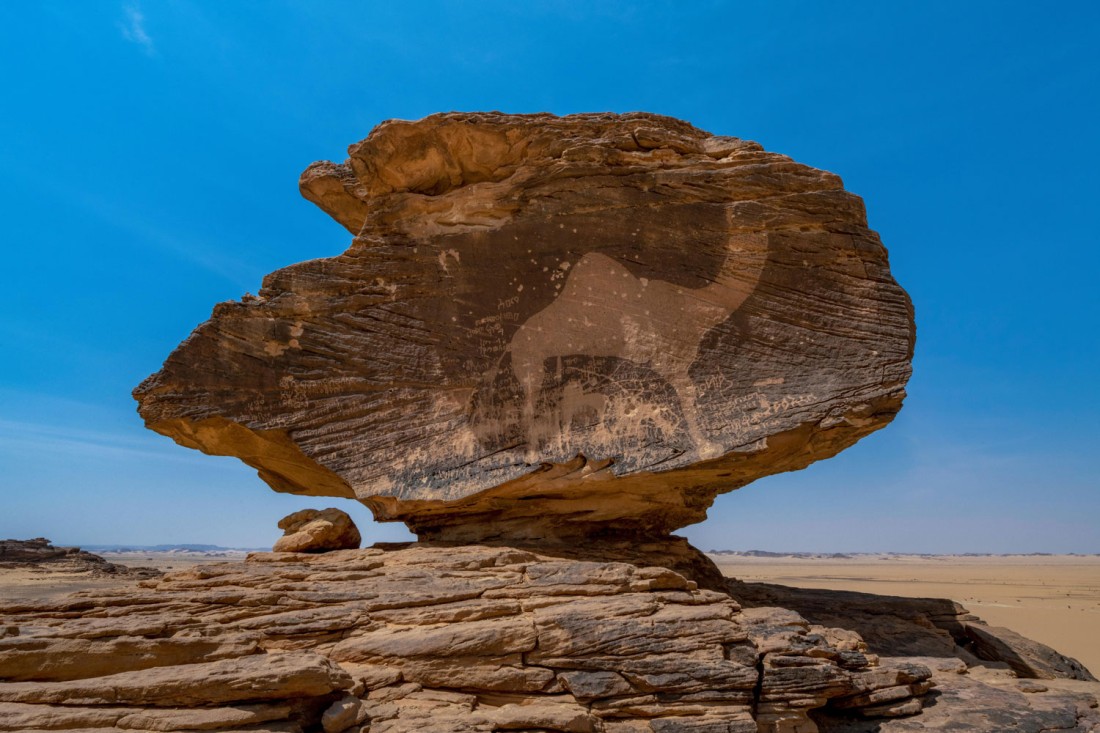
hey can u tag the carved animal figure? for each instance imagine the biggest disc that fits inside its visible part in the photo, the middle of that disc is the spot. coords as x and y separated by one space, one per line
604 310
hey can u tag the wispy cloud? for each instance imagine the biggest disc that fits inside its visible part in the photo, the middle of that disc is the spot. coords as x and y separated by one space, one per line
133 28
143 228
20 439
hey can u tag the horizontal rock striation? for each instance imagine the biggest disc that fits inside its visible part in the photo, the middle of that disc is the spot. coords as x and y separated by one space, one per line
432 639
310 530
552 328
899 626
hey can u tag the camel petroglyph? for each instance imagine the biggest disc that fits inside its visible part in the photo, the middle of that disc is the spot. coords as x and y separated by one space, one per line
604 310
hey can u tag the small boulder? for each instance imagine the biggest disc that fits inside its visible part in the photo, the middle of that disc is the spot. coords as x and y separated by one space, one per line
312 530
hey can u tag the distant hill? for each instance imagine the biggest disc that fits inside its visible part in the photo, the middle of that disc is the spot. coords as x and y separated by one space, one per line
170 548
765 553
851 555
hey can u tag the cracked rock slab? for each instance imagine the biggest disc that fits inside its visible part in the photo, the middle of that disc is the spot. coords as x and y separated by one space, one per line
427 643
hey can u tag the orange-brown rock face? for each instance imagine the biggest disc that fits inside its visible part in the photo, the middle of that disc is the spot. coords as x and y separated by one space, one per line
475 639
310 530
552 327
432 640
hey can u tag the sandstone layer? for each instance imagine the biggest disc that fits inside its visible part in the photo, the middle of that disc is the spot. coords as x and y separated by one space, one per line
312 530
552 327
931 627
474 638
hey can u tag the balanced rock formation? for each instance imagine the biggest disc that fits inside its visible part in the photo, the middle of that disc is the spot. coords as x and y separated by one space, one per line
311 530
552 327
551 342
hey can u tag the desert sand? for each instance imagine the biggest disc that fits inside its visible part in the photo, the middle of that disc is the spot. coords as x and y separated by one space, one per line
1054 599
32 583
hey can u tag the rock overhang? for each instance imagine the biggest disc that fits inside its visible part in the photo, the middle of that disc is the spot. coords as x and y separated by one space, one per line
552 326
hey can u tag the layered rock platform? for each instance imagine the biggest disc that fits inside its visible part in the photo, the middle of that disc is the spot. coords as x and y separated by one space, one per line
473 638
436 639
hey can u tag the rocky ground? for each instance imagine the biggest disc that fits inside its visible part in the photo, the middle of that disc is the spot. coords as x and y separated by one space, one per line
476 638
39 556
1053 599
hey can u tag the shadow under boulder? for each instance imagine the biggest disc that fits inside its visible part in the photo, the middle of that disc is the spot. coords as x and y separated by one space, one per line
895 626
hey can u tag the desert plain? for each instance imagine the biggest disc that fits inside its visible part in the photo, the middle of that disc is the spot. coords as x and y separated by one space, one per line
1054 599
31 583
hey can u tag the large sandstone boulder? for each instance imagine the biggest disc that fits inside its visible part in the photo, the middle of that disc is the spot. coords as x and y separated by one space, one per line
312 530
552 327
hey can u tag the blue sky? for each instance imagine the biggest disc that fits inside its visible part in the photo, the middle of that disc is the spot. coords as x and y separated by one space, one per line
151 152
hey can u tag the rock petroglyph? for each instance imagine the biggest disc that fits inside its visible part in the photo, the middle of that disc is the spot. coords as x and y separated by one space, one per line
622 314
603 310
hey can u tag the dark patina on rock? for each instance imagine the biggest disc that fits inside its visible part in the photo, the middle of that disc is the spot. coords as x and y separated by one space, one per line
551 327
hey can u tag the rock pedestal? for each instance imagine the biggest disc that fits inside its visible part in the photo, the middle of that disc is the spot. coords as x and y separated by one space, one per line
431 639
551 342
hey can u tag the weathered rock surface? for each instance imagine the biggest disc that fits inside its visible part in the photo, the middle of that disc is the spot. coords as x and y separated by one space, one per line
40 555
428 639
896 626
474 638
312 530
552 328
986 701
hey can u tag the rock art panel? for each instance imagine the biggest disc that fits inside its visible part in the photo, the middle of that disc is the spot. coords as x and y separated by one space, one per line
552 327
